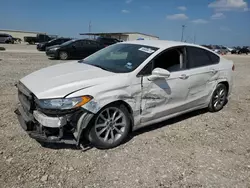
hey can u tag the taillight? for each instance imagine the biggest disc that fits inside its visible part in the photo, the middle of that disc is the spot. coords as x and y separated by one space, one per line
233 67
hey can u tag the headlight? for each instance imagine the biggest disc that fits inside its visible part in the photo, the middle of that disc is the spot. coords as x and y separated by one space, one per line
64 104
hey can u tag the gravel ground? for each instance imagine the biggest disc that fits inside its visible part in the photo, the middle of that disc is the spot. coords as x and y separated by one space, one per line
200 149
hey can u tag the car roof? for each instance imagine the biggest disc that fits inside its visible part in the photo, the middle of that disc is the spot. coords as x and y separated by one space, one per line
162 43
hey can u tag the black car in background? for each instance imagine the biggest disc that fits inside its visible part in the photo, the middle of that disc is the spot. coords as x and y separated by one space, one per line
39 38
42 46
107 41
74 49
244 50
239 50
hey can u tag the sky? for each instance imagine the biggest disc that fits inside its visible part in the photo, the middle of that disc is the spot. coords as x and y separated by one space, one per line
225 22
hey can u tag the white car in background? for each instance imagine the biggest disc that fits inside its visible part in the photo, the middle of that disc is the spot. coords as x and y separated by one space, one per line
119 89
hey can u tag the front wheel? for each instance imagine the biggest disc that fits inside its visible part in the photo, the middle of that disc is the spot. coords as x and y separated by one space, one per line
110 127
218 99
63 55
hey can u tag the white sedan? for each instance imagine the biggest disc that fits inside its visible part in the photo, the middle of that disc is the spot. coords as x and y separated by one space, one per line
119 89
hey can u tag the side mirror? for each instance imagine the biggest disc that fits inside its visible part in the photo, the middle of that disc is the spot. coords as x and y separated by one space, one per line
158 73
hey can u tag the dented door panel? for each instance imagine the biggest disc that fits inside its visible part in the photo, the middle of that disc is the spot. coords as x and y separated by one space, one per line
163 96
201 82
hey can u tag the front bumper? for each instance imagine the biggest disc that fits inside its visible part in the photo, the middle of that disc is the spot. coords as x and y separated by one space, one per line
50 126
55 131
53 54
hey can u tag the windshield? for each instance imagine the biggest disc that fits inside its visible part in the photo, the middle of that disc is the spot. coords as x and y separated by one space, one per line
52 40
120 58
68 42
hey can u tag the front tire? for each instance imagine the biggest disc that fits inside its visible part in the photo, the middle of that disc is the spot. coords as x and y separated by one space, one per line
219 98
110 127
63 55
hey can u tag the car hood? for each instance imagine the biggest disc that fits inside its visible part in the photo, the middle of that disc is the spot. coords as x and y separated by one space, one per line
60 80
55 46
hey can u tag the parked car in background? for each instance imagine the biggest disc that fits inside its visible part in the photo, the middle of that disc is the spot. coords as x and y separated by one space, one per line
229 49
42 46
78 49
119 89
223 50
38 39
244 50
235 50
216 49
6 38
107 41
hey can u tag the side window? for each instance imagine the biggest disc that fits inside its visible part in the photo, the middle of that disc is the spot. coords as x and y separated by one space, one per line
93 43
171 60
198 57
77 44
213 57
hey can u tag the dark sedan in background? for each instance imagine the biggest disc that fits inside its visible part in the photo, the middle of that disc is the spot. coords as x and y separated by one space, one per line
58 41
74 49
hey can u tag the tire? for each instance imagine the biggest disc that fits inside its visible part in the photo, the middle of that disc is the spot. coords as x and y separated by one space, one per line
219 98
107 130
63 55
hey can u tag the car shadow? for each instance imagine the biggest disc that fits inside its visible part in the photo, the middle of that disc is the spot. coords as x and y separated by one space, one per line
87 145
52 58
166 123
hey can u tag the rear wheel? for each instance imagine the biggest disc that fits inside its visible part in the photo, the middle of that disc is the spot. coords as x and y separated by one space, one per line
218 99
63 55
110 127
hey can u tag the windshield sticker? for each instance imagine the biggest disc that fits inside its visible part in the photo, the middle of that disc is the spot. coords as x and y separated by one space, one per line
129 65
147 50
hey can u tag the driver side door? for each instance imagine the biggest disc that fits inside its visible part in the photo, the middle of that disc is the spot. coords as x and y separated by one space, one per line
165 96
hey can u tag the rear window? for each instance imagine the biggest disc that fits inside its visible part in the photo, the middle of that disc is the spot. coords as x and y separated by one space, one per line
198 57
214 58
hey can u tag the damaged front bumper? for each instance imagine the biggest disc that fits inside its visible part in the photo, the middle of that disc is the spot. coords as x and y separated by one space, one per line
51 126
66 129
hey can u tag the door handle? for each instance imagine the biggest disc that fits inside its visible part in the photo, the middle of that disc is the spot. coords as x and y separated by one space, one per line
213 71
183 76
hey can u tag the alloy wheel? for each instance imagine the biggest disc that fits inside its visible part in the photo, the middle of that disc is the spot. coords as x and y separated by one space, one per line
63 55
110 125
219 98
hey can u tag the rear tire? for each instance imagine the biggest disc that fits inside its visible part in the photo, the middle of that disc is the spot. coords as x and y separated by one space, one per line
219 98
63 55
110 127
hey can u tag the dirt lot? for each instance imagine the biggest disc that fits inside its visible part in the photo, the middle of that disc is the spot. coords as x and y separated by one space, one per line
199 149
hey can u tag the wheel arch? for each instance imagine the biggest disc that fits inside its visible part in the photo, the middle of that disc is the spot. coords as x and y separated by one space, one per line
127 106
225 82
86 119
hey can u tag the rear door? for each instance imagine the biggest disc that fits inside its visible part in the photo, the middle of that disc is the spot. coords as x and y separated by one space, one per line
203 72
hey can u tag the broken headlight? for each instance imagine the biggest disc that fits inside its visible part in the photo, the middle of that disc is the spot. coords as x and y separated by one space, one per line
64 104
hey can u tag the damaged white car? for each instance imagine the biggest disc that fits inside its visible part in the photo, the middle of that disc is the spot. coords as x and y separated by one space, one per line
121 88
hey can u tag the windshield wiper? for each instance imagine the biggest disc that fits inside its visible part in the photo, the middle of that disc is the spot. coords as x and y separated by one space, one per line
99 67
82 61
